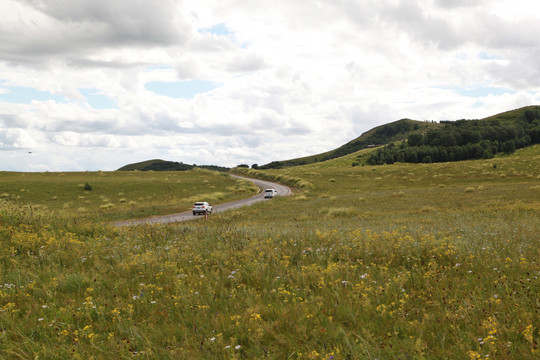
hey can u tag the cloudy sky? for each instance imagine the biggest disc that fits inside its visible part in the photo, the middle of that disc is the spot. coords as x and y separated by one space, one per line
97 84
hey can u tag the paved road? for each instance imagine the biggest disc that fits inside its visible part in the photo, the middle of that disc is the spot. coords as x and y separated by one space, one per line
282 190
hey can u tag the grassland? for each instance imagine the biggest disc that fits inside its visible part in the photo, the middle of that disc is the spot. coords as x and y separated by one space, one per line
120 195
406 261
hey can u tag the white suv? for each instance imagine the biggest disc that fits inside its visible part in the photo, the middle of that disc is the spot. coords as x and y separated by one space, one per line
270 193
202 208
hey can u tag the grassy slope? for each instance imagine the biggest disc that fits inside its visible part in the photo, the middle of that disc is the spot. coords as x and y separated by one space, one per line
512 114
386 134
376 136
401 261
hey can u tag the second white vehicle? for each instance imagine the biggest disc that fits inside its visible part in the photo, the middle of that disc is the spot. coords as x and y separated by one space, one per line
270 193
202 208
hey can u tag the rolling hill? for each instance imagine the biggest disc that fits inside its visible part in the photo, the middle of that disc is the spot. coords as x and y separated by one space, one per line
162 165
380 135
427 141
402 129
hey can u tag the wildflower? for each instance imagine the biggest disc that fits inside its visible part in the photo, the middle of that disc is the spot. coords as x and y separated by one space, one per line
528 333
237 347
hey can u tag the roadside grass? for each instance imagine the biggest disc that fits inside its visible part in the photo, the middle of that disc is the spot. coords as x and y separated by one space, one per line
120 195
382 262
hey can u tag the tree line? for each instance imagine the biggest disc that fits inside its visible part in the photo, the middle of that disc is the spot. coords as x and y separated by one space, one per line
381 135
179 166
463 140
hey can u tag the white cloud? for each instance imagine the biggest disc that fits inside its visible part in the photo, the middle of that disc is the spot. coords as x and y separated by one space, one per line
293 78
16 139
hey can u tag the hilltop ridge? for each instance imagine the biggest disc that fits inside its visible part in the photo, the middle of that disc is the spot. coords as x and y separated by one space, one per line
403 129
419 141
163 165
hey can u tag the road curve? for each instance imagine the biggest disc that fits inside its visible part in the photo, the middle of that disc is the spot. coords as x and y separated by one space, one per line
282 190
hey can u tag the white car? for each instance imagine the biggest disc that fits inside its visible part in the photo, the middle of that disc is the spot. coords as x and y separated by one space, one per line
270 193
202 207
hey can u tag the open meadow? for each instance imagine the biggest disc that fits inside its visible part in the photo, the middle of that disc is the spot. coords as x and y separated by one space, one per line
120 195
402 261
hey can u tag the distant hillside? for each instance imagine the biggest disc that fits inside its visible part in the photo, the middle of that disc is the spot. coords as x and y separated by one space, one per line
396 131
162 165
466 139
503 132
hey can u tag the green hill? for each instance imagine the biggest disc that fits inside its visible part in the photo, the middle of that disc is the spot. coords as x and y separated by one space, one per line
381 135
156 165
466 139
517 128
162 165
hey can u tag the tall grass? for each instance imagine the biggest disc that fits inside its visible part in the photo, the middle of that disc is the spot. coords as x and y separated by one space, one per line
349 270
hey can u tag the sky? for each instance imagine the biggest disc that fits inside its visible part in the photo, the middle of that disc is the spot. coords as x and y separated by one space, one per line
89 85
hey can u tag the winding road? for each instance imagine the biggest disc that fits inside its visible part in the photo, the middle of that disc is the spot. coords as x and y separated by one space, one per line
282 190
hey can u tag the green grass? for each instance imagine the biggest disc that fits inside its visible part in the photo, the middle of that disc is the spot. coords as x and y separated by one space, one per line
120 195
386 262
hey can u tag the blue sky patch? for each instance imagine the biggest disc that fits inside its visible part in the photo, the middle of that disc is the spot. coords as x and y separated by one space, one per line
97 100
25 95
219 29
181 89
482 91
485 56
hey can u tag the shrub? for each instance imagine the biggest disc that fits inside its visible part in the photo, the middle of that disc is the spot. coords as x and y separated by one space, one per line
340 211
428 209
